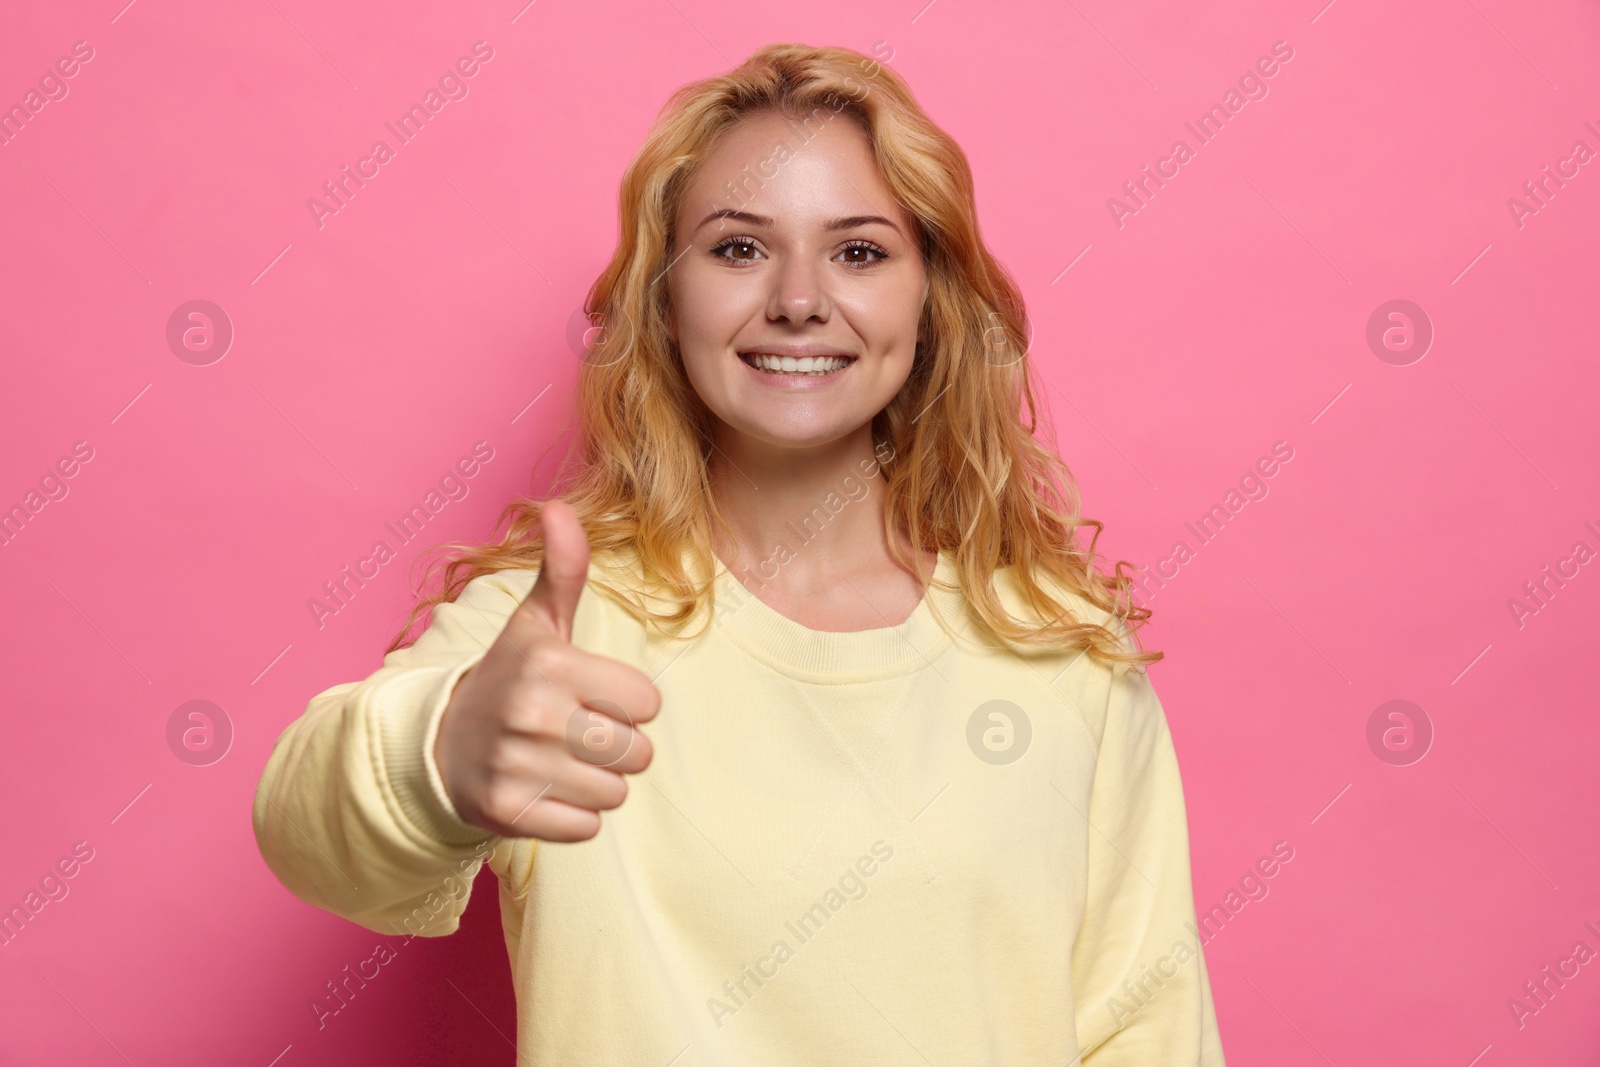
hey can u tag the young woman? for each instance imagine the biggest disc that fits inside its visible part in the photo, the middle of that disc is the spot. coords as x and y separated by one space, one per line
906 794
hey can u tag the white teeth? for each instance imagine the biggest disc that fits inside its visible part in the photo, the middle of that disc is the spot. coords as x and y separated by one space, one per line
815 365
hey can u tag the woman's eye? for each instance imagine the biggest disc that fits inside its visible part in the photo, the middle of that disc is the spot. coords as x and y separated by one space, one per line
744 251
861 254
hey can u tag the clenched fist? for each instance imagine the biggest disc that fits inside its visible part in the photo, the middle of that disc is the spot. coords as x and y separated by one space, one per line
538 734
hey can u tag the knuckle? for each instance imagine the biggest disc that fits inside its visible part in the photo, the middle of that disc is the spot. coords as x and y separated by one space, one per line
505 801
544 715
492 799
549 660
501 765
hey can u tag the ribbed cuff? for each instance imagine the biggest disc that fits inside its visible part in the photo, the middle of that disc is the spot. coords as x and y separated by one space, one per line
408 709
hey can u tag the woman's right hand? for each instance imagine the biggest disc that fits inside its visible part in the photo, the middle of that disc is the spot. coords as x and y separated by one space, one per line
538 734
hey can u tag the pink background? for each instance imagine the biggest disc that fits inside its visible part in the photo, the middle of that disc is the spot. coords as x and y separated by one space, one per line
1229 313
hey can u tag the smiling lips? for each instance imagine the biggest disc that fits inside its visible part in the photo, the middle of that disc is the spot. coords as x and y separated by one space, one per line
791 358
790 365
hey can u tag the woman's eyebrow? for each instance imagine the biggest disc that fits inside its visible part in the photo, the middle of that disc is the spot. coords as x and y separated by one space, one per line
848 222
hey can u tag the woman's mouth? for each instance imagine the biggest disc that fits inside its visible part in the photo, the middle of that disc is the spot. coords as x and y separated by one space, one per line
809 366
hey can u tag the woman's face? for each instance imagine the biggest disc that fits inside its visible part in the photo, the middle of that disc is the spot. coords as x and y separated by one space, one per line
807 253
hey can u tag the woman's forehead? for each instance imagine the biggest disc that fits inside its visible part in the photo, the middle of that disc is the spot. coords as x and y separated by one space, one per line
790 174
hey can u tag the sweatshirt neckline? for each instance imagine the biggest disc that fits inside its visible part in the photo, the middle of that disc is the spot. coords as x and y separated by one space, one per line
833 656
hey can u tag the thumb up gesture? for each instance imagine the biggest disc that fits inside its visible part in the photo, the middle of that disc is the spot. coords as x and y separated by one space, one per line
539 733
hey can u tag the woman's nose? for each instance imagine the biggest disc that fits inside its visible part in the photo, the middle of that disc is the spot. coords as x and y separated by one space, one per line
799 290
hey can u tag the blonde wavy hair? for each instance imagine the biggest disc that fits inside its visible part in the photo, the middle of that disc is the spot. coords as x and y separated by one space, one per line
963 472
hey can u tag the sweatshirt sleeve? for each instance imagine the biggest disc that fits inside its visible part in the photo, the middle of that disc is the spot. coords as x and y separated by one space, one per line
351 814
1143 994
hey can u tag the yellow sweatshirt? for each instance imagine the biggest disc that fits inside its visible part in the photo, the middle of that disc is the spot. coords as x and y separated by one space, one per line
894 846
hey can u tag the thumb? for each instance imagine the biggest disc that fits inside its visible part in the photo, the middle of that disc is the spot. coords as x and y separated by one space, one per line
554 597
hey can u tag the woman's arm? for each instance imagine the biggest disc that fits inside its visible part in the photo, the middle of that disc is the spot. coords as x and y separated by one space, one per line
1143 995
350 812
